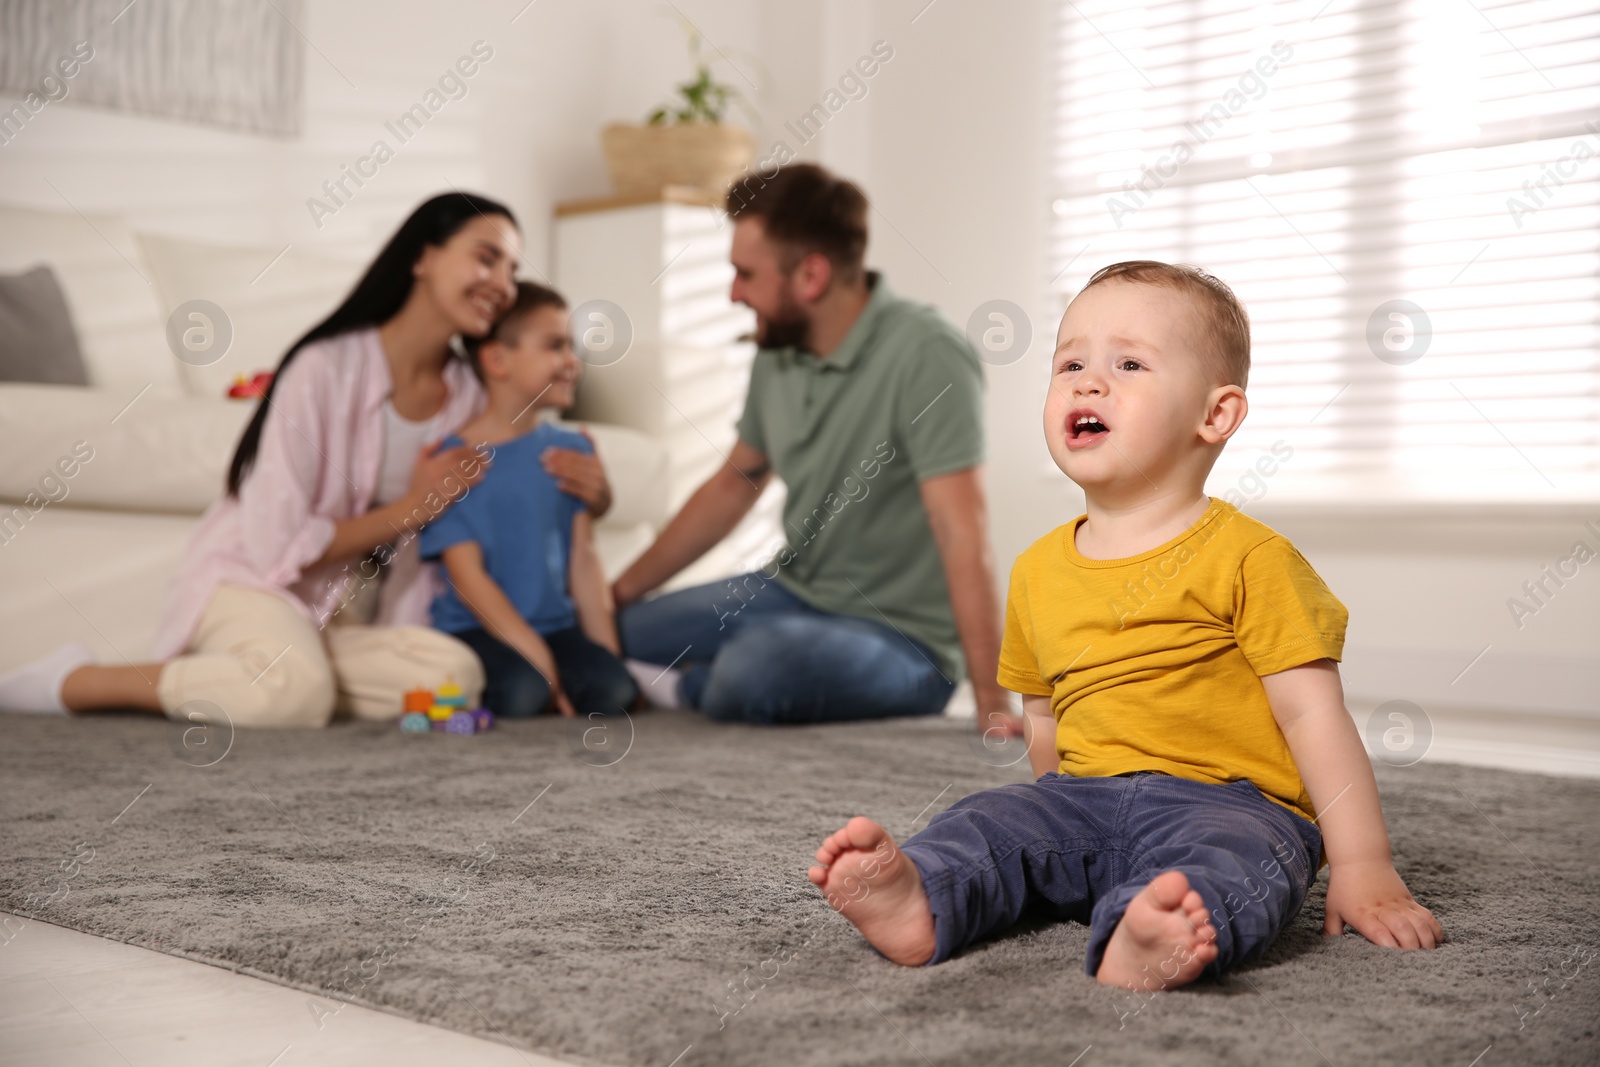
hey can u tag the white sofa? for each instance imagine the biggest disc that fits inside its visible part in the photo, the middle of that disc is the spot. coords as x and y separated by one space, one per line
87 556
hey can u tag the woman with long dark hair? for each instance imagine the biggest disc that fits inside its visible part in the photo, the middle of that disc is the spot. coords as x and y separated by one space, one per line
301 592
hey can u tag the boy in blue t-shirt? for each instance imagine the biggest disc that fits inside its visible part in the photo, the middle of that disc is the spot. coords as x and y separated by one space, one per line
526 589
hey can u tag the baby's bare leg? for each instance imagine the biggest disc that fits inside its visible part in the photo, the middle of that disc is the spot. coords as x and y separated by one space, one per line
872 883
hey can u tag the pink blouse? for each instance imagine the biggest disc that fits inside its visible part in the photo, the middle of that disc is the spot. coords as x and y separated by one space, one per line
318 463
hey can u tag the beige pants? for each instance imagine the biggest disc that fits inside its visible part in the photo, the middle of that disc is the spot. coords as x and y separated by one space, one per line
265 664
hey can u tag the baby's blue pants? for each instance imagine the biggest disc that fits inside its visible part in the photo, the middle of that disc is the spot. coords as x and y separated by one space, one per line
1082 848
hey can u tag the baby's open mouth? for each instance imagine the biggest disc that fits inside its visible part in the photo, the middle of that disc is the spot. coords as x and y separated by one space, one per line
1085 425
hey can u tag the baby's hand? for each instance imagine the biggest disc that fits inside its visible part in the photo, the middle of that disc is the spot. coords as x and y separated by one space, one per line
1372 898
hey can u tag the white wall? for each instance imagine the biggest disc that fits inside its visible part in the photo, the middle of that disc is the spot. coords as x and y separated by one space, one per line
527 132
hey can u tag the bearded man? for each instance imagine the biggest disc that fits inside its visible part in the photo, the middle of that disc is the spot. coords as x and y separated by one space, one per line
869 409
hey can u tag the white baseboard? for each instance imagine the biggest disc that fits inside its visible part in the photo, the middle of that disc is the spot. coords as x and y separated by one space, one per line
1518 756
1508 738
1511 738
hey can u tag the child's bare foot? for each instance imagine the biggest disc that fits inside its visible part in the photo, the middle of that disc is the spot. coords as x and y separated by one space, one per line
1165 938
871 882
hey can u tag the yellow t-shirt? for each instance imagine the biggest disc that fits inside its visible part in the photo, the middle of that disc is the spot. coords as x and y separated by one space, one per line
1154 662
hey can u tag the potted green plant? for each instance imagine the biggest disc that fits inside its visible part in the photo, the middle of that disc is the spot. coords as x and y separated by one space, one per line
685 141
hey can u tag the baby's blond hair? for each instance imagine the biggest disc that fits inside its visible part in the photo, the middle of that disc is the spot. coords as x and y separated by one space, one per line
1227 346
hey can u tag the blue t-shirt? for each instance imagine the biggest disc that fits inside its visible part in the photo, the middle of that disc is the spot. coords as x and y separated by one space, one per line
523 525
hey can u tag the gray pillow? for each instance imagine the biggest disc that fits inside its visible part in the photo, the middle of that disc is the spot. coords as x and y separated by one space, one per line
37 341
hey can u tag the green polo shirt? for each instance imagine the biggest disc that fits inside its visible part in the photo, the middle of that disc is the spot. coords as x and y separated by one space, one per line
851 436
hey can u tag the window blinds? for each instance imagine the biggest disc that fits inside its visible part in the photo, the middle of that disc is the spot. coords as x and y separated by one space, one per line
1406 196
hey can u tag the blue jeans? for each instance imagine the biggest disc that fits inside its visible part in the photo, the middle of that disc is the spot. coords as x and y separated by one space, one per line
1082 848
594 680
751 651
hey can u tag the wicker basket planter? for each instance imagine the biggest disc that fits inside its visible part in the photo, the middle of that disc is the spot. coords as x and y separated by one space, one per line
703 155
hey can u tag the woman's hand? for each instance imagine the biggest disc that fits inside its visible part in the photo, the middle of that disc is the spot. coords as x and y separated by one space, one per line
581 474
439 478
445 472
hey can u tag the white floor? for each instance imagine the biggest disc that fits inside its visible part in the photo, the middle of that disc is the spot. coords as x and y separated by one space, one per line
69 999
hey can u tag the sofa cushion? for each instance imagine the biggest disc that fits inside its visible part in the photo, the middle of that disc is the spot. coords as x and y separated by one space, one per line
170 453
37 341
109 291
163 452
81 574
270 296
75 574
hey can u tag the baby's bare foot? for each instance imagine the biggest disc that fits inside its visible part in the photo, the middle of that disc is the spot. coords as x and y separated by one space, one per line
872 883
1165 938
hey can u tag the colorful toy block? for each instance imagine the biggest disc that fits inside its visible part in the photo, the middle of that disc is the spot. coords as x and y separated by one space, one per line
250 388
443 710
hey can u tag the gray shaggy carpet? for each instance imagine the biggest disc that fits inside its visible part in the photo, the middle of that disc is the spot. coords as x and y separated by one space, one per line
634 894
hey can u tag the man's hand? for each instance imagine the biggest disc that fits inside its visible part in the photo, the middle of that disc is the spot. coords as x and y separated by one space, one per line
1371 897
995 713
581 474
709 515
957 516
622 593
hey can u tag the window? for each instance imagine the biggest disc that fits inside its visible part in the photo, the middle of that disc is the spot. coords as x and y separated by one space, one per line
1406 196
